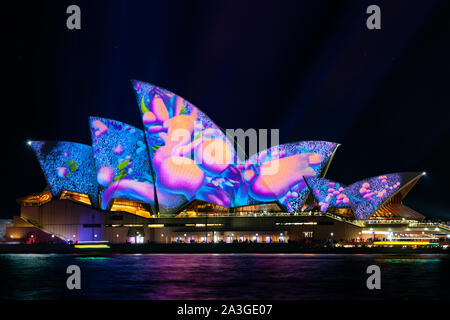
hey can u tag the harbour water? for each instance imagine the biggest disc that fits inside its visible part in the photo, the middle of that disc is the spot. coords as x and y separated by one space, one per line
225 276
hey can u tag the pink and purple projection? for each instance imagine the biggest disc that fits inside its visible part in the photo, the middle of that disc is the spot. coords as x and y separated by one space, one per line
67 166
368 194
277 174
193 159
328 193
364 197
182 142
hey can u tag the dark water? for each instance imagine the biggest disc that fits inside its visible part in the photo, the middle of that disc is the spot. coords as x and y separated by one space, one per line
224 276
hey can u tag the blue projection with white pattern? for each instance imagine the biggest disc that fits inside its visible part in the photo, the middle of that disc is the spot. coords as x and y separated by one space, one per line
67 166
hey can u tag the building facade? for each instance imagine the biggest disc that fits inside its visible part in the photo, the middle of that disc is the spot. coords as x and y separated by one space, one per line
181 179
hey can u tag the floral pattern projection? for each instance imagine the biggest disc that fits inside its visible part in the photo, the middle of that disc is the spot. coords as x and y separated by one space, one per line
121 161
367 195
329 194
67 166
181 138
364 197
277 174
193 159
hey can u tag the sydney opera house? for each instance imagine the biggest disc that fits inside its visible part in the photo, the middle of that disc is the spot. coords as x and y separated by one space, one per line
178 179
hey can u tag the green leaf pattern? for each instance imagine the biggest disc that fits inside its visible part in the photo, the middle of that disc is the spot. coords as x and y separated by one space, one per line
72 166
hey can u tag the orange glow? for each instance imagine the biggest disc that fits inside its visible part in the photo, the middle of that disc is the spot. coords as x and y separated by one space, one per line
37 199
133 207
75 196
405 243
189 214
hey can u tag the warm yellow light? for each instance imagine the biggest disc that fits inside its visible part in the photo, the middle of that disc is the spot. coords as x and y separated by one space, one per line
156 226
415 243
377 232
131 207
295 223
75 196
87 246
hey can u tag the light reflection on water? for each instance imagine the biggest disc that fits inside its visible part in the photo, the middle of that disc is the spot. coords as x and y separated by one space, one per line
224 276
407 260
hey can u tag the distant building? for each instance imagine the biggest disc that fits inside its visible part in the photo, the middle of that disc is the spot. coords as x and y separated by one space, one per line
3 224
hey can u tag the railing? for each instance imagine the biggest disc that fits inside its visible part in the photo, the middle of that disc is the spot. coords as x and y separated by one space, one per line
389 221
276 214
410 223
444 226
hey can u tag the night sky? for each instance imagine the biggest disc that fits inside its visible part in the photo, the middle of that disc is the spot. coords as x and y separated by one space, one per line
310 68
